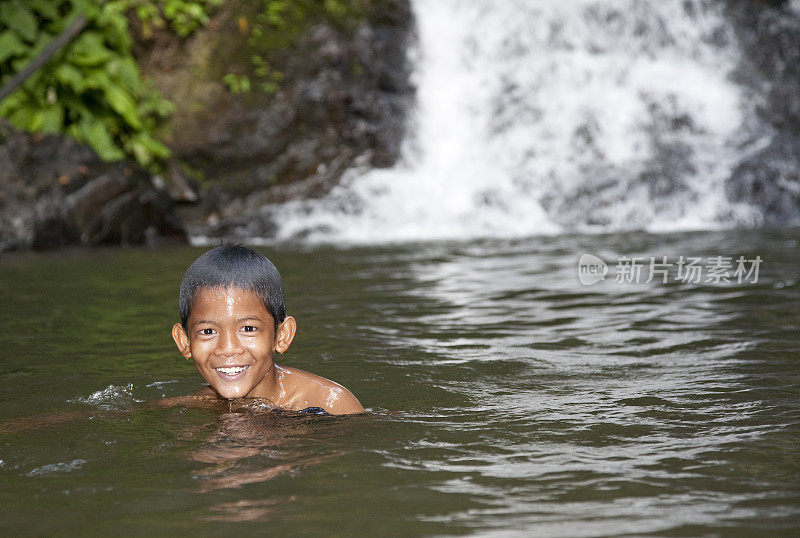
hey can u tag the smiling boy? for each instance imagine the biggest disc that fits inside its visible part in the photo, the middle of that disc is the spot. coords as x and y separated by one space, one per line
233 320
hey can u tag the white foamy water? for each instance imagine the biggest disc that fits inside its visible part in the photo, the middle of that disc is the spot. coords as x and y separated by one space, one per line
538 117
53 468
111 397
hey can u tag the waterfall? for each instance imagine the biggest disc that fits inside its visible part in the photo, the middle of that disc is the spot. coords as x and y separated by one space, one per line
541 117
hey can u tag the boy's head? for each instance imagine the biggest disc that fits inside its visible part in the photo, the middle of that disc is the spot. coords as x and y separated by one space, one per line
230 298
234 266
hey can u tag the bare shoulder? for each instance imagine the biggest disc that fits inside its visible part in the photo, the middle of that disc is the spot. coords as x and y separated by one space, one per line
312 390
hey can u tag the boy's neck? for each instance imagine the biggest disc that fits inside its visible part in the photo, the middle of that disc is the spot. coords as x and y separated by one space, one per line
270 388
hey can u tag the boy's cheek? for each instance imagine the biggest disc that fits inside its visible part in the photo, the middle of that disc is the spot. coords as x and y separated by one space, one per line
204 374
204 370
199 346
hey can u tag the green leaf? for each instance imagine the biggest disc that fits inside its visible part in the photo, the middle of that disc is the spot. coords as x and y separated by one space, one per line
23 118
126 71
41 43
45 8
19 18
237 83
10 45
90 8
51 119
75 132
115 25
145 148
124 105
89 50
147 12
74 107
96 79
94 133
141 154
70 75
154 146
11 103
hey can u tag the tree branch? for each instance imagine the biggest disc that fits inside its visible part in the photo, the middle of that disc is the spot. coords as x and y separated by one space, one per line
57 44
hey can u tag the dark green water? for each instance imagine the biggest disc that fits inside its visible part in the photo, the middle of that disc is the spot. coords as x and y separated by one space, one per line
505 397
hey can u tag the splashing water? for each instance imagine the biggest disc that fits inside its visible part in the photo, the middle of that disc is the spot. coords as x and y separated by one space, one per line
62 467
537 117
111 397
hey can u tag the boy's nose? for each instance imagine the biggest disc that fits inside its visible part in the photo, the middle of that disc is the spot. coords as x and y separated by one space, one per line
228 344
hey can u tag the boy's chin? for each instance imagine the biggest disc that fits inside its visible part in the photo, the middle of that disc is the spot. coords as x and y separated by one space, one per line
231 392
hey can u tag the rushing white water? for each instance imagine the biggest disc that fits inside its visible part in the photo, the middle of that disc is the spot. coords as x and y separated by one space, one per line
537 117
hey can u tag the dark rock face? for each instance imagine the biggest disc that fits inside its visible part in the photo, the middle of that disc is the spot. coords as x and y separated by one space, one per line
342 103
769 36
55 192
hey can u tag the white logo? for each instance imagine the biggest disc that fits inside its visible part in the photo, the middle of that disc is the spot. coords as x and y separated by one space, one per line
591 269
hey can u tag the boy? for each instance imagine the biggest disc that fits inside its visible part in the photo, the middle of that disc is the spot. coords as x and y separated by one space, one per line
233 320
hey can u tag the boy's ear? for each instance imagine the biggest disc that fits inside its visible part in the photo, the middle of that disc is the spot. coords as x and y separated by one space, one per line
285 334
181 340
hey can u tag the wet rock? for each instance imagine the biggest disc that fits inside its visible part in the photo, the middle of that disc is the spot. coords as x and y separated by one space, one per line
770 180
769 36
55 192
236 229
164 224
136 217
85 203
52 226
119 221
181 188
342 103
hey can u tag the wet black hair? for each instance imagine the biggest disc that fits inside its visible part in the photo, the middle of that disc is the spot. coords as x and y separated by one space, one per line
237 266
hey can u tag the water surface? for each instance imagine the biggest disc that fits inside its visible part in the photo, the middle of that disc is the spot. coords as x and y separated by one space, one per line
504 396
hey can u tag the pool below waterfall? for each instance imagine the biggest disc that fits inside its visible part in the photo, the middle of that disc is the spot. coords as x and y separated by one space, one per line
504 396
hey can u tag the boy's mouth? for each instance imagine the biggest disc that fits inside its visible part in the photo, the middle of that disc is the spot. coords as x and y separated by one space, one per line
231 373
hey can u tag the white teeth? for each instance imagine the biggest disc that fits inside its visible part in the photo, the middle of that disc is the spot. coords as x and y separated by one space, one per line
233 370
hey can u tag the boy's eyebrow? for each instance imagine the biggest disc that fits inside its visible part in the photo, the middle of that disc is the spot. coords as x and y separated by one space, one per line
239 320
249 317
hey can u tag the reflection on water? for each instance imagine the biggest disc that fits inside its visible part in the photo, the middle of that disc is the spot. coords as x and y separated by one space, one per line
253 446
246 510
504 397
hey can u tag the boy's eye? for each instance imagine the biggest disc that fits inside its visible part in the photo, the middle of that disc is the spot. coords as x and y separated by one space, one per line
206 332
248 328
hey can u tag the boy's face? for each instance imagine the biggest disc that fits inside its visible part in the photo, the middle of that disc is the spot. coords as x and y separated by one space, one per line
230 337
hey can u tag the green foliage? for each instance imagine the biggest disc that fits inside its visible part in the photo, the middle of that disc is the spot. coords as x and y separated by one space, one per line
183 16
274 25
236 83
92 89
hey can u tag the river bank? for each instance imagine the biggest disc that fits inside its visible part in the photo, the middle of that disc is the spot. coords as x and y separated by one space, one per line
340 100
343 102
